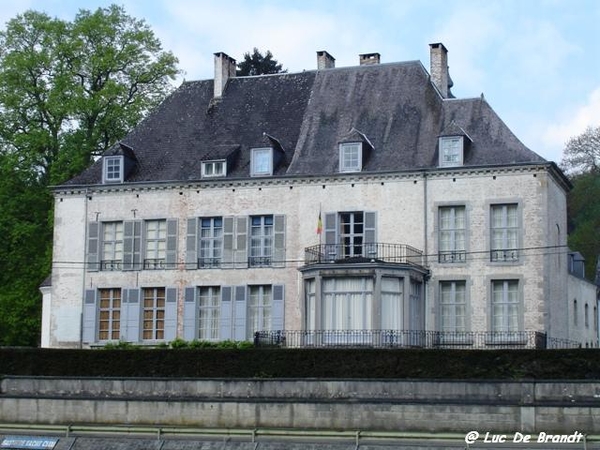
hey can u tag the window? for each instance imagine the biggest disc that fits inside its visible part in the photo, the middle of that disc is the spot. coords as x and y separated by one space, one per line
156 244
352 233
261 241
261 162
309 310
452 224
505 306
453 306
260 305
347 303
391 303
586 315
109 314
214 169
575 313
113 169
208 315
451 151
112 246
504 233
211 242
154 314
351 157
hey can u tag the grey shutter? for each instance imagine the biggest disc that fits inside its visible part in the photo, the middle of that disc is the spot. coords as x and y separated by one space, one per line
279 241
171 250
226 312
139 245
228 235
190 317
132 245
133 306
332 249
93 247
191 244
241 242
170 314
370 234
89 316
277 313
239 323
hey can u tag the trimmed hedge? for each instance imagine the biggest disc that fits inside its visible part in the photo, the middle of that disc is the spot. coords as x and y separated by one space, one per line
303 363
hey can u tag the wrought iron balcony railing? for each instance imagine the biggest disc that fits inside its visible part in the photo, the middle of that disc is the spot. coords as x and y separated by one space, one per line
410 339
377 251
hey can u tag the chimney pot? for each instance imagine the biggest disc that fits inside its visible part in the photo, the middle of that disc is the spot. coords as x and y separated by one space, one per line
224 70
367 59
325 60
439 68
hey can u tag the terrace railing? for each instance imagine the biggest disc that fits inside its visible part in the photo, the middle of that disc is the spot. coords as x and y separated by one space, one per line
409 339
376 251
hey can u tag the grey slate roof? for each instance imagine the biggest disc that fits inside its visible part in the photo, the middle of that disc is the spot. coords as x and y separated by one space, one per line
394 106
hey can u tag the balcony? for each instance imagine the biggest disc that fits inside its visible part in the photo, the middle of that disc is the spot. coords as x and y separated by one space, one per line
409 339
374 252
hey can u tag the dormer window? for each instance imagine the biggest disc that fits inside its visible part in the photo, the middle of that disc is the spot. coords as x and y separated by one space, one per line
351 157
261 162
451 151
113 169
214 169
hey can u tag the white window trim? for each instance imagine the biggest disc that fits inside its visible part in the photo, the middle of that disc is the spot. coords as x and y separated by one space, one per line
443 141
105 164
212 163
253 159
350 146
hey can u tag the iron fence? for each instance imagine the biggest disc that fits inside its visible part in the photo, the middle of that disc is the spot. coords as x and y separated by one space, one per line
376 251
409 339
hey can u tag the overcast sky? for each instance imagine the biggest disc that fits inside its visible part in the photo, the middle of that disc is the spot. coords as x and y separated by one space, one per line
536 62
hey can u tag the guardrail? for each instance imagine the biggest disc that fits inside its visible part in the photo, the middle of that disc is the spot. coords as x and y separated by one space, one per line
376 251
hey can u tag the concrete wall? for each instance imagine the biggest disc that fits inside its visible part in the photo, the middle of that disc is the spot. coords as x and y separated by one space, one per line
582 297
392 405
406 206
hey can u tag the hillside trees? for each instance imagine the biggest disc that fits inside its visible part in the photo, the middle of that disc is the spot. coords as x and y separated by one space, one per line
581 160
68 91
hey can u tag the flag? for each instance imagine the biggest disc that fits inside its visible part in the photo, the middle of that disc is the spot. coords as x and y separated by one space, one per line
319 224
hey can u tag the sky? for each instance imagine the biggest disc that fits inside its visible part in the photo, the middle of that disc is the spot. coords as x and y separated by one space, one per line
537 62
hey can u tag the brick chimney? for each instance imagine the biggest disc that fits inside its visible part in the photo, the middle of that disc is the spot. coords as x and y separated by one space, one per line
325 60
367 59
439 68
224 70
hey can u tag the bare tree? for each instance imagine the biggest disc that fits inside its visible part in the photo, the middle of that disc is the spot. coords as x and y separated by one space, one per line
582 153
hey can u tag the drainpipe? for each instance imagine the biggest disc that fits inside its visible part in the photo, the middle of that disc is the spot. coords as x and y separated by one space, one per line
426 244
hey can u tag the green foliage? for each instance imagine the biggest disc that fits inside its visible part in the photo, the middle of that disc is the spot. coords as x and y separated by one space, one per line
121 345
68 91
258 64
179 343
584 219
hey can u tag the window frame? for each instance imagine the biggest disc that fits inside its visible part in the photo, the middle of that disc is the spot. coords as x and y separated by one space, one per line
213 164
256 164
108 169
209 313
110 236
349 163
210 246
159 261
505 304
260 313
261 241
505 254
454 255
113 324
154 318
454 303
454 144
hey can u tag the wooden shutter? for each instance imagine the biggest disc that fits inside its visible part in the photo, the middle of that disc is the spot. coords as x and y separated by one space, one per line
191 244
277 313
370 235
190 314
239 323
133 306
279 241
90 311
226 312
132 244
228 235
241 242
332 249
170 314
93 247
171 250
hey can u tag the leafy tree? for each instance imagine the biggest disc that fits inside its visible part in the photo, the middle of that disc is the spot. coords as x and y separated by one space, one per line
257 64
582 153
68 91
584 219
